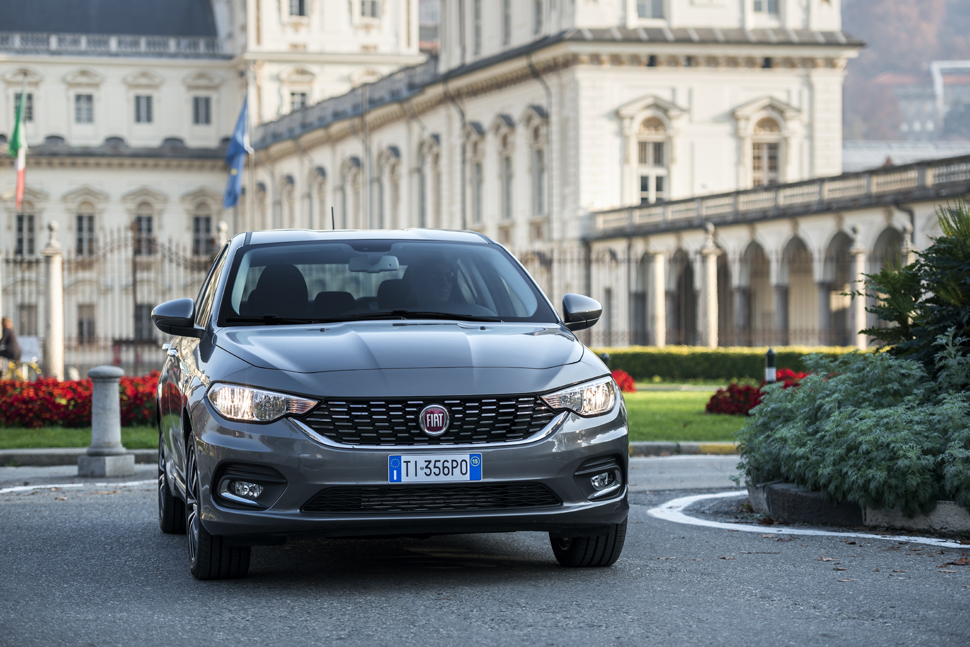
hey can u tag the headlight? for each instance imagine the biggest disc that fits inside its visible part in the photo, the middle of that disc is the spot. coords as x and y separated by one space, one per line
255 405
589 399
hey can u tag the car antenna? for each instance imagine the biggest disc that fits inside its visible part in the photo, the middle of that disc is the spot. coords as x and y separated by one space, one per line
333 226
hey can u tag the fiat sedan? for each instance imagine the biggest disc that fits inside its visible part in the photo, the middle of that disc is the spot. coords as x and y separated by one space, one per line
352 384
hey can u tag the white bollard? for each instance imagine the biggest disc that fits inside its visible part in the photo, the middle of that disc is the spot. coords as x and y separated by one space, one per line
106 456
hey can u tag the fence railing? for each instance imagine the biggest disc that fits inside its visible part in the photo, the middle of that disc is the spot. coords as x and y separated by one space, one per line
105 44
852 190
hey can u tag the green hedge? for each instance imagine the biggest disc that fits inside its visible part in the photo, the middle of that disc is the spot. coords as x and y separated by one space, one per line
697 363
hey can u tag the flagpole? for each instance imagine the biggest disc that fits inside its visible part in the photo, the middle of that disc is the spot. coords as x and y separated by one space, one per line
22 117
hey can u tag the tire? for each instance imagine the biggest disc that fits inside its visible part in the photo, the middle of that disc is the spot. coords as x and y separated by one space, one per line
171 509
210 557
583 552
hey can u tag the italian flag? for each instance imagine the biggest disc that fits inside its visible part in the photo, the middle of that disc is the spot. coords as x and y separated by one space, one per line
18 147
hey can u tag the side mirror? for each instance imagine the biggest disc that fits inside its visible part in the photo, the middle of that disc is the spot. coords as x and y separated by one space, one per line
176 318
580 312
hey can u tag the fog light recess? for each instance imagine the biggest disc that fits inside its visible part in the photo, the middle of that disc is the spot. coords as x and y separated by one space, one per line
600 477
247 486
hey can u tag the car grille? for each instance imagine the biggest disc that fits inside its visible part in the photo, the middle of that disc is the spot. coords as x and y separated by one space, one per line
432 498
395 422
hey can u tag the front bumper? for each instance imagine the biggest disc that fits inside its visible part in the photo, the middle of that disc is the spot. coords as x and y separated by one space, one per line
309 466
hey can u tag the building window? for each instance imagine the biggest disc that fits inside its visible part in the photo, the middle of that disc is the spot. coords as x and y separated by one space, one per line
201 111
202 242
650 9
144 231
298 101
143 109
537 9
370 9
84 108
25 236
477 192
26 319
506 22
298 7
652 161
765 153
28 106
85 231
478 27
85 324
144 329
766 6
506 187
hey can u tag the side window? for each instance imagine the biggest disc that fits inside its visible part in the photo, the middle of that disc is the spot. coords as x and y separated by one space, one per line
203 308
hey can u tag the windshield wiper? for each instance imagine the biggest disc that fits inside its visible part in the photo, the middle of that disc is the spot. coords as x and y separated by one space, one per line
270 320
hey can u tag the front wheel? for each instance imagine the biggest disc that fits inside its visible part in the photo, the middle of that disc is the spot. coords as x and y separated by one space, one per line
602 550
210 558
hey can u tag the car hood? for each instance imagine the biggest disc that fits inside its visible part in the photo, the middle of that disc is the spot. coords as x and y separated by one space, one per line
402 345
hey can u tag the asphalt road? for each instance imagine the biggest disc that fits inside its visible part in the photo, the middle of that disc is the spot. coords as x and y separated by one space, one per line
88 566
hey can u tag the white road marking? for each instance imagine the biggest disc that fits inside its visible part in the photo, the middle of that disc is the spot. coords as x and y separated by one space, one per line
64 486
674 511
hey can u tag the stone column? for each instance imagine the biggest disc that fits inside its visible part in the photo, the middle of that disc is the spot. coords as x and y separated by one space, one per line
708 304
824 312
857 309
781 314
740 315
106 456
658 300
54 329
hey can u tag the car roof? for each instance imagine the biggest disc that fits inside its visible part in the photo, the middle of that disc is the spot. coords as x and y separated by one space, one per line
310 235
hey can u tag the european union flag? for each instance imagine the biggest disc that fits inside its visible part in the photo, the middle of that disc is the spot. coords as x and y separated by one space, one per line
236 157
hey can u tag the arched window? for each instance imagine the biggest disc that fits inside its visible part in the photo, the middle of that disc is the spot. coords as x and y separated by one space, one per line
653 161
202 240
766 152
85 229
144 229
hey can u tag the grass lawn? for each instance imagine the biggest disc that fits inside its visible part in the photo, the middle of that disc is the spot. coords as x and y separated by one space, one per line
23 438
656 415
677 415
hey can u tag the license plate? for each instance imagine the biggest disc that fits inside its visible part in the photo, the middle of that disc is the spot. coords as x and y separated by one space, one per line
437 468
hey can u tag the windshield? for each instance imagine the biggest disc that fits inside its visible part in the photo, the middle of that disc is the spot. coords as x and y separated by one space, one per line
295 283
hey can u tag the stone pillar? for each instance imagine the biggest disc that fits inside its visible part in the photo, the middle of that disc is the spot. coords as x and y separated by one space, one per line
658 300
824 312
106 456
781 314
54 329
857 309
708 304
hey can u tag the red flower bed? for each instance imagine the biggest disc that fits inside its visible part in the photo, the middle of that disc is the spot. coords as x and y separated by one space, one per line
739 400
48 402
624 381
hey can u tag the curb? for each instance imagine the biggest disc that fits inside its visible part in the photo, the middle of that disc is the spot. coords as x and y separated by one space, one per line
61 456
789 503
671 448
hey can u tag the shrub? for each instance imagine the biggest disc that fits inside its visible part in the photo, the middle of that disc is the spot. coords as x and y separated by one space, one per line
716 364
624 381
871 429
738 400
929 298
48 402
735 400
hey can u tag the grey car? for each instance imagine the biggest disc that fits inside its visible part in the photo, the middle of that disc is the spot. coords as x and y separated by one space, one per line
383 383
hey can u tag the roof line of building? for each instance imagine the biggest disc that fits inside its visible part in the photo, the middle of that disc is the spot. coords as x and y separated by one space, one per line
411 81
